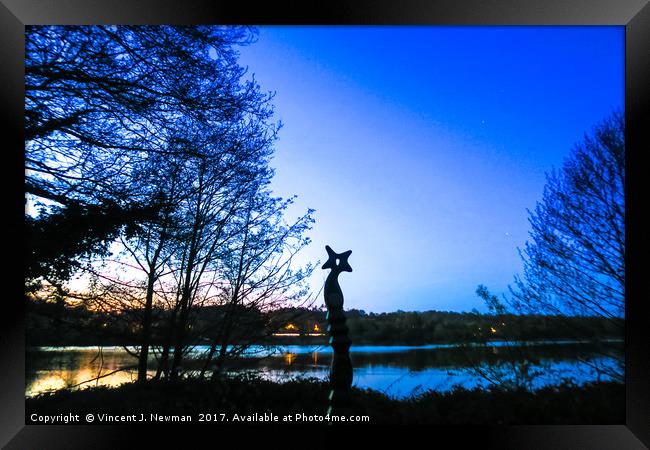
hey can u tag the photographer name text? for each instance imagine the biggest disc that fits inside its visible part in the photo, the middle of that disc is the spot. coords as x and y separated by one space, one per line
201 417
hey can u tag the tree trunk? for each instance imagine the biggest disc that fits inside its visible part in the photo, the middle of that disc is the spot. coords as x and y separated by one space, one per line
146 331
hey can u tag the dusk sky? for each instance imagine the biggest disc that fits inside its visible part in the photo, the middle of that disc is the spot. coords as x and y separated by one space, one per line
422 147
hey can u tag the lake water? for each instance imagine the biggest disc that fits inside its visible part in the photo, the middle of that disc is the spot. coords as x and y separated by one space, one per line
398 371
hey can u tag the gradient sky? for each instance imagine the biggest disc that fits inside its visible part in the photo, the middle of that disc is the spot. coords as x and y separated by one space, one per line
422 147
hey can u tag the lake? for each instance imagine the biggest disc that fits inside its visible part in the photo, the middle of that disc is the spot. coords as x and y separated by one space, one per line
398 371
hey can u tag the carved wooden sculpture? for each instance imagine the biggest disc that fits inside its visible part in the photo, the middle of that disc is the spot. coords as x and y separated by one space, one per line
341 373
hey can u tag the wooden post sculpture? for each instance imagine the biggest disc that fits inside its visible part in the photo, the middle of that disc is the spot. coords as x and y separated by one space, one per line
341 373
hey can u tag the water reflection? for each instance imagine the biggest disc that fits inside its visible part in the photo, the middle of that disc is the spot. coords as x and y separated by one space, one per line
289 358
53 369
397 371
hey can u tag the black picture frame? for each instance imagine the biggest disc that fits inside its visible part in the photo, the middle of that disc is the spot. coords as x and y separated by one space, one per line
634 15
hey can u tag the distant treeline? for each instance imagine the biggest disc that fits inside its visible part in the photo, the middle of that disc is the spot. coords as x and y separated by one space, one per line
52 324
432 327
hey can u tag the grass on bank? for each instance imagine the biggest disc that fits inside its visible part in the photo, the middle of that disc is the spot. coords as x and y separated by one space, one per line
599 403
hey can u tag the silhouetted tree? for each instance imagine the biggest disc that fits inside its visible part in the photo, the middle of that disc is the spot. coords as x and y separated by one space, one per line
150 246
575 261
259 273
56 239
99 102
515 372
208 224
146 146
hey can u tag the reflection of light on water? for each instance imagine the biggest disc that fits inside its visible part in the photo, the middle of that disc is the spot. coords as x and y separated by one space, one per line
289 358
54 380
385 368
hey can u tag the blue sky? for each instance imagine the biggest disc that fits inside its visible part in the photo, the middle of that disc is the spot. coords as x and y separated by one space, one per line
422 147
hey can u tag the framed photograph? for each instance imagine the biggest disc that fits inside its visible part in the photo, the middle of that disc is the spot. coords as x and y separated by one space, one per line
296 221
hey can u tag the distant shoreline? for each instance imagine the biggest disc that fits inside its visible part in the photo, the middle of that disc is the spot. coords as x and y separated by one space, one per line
358 348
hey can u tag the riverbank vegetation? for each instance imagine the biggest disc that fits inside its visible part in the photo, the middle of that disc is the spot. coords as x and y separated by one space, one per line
601 403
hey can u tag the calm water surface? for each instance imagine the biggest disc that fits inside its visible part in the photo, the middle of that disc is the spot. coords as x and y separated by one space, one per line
399 371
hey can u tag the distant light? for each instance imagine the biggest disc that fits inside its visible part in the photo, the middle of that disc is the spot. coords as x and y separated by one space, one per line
493 330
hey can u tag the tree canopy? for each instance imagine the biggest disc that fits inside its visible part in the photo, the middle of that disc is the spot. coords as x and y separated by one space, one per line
574 262
102 101
147 163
